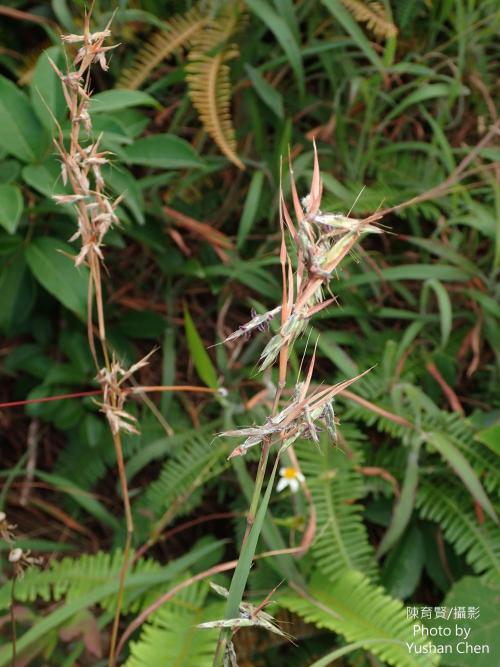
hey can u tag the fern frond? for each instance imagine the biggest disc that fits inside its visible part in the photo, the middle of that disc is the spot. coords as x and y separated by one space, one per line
361 612
178 35
354 412
72 578
341 542
183 478
209 84
452 511
170 636
374 15
92 463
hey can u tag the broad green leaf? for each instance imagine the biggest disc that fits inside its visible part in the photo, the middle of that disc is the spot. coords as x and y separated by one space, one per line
21 134
9 171
266 92
164 151
46 91
17 298
63 14
123 183
250 208
114 100
45 178
472 594
57 273
284 36
345 19
444 303
201 360
490 437
135 15
456 460
11 207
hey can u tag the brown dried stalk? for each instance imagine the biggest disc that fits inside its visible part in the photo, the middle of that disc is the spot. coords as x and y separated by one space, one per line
81 164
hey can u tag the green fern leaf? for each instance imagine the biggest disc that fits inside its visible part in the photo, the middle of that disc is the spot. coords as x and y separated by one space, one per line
451 509
341 542
182 480
72 578
361 612
170 636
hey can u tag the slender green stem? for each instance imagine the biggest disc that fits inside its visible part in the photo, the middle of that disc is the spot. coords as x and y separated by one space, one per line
259 480
242 571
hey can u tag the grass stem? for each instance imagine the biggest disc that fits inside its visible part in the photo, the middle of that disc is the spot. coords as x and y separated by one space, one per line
128 543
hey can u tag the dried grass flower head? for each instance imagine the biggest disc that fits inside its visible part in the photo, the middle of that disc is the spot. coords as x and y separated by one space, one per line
22 561
301 418
320 242
7 529
92 49
115 394
249 616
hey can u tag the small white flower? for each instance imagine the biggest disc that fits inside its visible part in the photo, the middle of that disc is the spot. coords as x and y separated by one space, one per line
290 477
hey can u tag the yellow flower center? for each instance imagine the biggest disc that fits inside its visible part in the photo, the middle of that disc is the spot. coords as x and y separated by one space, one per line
289 473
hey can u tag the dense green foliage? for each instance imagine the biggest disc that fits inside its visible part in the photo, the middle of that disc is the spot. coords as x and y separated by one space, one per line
198 116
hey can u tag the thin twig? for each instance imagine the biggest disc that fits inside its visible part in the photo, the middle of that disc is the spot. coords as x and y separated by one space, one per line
97 392
25 16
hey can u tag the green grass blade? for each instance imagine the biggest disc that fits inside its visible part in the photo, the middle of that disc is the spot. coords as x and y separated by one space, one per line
250 208
201 360
404 505
457 461
444 303
283 34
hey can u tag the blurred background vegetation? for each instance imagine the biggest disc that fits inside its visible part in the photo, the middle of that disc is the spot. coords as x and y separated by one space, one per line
200 104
